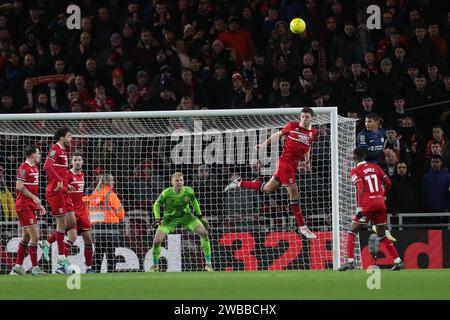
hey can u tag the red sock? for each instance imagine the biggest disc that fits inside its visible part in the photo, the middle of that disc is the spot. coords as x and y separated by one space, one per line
21 252
32 250
389 247
52 238
254 184
88 255
60 241
351 242
67 247
295 208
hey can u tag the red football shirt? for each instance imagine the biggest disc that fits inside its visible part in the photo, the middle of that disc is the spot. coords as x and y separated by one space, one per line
29 174
371 176
77 181
58 155
298 141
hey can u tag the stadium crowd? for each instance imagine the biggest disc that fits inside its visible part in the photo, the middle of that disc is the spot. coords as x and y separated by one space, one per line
214 54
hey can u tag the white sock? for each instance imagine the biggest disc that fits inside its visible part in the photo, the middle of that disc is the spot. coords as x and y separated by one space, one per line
61 257
397 260
18 265
350 260
303 228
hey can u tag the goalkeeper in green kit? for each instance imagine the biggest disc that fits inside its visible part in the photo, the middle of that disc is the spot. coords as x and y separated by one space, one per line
177 202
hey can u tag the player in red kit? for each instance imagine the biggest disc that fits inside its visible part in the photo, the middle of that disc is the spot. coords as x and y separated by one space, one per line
299 137
83 224
371 206
27 203
56 166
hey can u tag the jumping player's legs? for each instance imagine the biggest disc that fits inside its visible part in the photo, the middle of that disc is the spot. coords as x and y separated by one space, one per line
294 204
379 219
71 232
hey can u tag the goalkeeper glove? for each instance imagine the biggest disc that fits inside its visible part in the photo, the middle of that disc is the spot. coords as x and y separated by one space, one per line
205 223
156 223
387 233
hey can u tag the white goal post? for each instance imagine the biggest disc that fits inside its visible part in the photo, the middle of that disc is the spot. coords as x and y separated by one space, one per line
250 231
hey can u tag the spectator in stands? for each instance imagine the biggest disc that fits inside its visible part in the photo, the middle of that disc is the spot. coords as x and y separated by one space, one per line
245 98
390 162
101 103
404 195
438 136
368 105
438 40
188 86
445 122
133 97
238 40
420 96
144 53
219 87
118 90
443 91
164 99
385 86
347 46
372 139
83 92
8 104
284 97
356 85
394 118
393 143
92 74
415 144
436 184
434 79
422 50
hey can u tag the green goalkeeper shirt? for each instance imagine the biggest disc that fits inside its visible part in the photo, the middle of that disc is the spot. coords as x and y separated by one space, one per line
176 205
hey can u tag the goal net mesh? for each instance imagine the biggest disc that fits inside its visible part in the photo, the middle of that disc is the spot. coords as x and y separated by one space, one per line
249 230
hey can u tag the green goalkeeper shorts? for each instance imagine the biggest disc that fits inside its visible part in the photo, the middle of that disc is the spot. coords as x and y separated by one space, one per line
189 222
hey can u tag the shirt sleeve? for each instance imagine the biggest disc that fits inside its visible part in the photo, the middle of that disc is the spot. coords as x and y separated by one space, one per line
157 205
52 155
194 202
116 206
22 173
287 128
361 140
355 177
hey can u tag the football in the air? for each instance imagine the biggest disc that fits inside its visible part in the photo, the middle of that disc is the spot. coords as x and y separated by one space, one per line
297 26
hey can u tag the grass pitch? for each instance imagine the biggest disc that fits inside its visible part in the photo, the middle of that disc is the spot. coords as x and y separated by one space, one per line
260 285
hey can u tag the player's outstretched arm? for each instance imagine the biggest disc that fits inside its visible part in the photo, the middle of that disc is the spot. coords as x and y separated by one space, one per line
274 137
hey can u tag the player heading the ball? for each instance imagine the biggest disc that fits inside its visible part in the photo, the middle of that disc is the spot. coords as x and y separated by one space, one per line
27 202
371 206
177 201
297 149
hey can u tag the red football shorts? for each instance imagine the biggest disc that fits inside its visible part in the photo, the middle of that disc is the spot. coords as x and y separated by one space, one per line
27 215
60 203
286 172
376 217
83 222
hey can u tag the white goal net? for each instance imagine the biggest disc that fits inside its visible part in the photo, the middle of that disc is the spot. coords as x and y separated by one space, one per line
250 231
